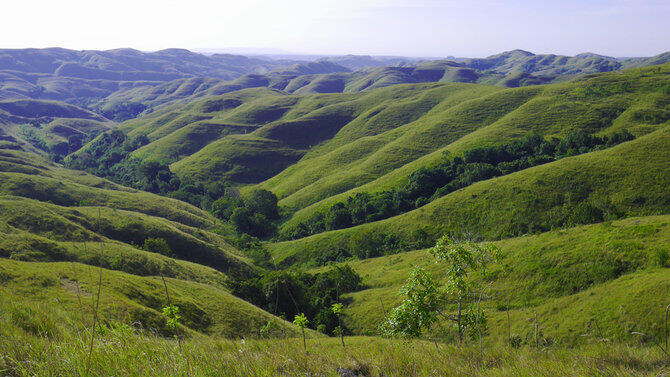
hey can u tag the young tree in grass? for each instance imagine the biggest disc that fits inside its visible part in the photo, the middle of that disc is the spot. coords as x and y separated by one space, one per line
461 258
424 299
301 321
337 309
418 311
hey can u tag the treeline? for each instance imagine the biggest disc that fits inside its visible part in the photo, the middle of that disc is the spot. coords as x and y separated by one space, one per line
287 294
57 151
109 156
451 174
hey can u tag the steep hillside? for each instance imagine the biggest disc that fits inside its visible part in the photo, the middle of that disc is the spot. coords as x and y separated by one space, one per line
315 150
58 226
636 100
627 180
29 287
38 193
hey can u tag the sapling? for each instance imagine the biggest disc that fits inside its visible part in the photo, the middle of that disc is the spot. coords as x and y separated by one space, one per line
424 298
172 316
301 321
337 310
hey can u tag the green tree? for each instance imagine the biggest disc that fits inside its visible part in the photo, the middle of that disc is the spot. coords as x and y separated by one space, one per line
172 316
461 258
418 310
337 309
301 321
224 206
424 299
338 217
263 202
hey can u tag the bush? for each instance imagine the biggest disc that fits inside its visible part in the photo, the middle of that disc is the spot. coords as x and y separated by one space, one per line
157 245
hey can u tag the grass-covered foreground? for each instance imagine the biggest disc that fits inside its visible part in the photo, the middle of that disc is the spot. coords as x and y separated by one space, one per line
123 353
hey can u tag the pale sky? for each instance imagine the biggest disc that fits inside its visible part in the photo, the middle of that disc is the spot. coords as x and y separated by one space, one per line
470 28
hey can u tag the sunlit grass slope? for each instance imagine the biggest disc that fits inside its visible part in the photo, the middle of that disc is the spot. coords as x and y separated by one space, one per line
43 199
59 227
36 291
637 100
311 121
630 179
613 272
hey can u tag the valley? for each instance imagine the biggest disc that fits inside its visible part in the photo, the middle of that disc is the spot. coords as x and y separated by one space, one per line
190 208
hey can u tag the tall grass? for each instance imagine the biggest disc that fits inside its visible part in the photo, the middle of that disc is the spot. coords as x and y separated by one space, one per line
120 353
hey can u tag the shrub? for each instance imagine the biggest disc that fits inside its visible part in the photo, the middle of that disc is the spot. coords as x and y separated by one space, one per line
157 245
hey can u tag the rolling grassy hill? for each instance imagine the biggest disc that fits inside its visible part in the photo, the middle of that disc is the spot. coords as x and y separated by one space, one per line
509 69
627 180
569 276
320 149
584 237
48 126
62 74
58 226
126 299
385 160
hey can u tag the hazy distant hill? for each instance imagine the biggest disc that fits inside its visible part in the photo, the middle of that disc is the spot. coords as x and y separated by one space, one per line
62 74
121 84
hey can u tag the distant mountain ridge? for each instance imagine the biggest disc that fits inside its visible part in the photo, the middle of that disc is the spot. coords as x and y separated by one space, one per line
120 84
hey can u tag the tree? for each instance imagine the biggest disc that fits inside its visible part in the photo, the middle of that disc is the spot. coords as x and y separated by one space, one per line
461 258
263 202
301 321
424 299
418 311
337 309
224 206
338 217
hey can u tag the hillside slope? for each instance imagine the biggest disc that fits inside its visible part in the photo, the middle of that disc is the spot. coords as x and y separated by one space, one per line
627 180
636 100
58 226
508 69
570 277
48 127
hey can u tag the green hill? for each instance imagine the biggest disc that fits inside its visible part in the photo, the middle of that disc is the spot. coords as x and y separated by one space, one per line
635 100
568 178
626 180
612 272
29 287
57 226
48 127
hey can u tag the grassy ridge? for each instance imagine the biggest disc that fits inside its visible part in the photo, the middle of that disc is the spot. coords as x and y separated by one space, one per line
28 175
302 126
57 224
45 200
627 180
636 100
99 224
48 127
